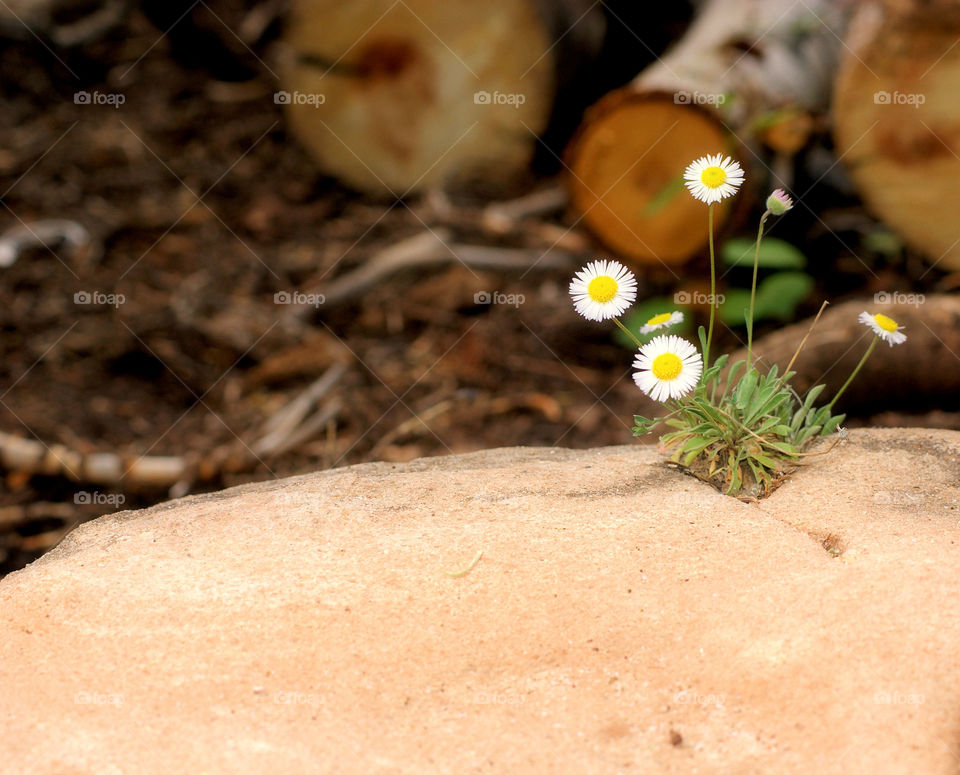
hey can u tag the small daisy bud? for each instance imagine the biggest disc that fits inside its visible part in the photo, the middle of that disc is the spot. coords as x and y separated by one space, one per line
778 202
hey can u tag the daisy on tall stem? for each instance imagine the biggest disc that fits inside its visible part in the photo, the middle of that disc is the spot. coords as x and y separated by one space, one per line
711 179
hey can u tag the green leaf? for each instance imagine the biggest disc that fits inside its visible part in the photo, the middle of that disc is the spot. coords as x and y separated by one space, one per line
732 375
769 462
804 411
713 373
780 294
744 390
759 473
778 297
693 448
736 478
831 425
822 415
774 253
884 242
767 406
663 197
735 301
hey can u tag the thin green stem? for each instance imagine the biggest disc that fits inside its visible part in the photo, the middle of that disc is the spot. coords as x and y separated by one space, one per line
753 290
846 384
628 332
713 289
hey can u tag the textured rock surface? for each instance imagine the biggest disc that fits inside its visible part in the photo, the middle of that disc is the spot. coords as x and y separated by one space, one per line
622 618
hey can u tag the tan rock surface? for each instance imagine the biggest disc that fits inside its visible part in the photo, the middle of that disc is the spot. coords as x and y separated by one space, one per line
623 618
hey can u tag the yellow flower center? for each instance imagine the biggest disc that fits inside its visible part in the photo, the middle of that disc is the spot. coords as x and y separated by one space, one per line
656 320
712 177
887 324
602 289
666 366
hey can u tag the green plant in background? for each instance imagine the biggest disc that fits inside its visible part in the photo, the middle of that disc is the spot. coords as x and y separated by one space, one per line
777 297
735 425
779 294
640 321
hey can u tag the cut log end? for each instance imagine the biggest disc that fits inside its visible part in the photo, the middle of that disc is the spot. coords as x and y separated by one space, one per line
896 123
392 99
627 164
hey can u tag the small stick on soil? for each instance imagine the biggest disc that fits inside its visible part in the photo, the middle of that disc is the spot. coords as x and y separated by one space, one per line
418 421
292 413
106 468
503 216
287 428
519 218
804 340
306 431
429 249
45 234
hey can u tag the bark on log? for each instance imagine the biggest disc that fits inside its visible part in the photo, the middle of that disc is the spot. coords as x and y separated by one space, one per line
897 119
740 60
890 379
392 98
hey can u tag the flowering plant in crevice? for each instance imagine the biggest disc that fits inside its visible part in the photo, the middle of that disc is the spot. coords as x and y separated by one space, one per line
733 424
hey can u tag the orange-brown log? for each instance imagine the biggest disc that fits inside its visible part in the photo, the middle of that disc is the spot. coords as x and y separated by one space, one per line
626 163
395 97
897 119
739 62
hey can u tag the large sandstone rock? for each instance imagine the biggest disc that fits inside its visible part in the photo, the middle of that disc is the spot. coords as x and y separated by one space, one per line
623 618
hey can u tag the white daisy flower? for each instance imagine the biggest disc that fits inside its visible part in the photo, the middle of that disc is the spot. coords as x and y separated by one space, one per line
884 327
712 178
668 367
603 289
665 320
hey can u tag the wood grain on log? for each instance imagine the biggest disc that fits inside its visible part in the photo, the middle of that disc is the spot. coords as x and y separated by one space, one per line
395 97
897 119
740 60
